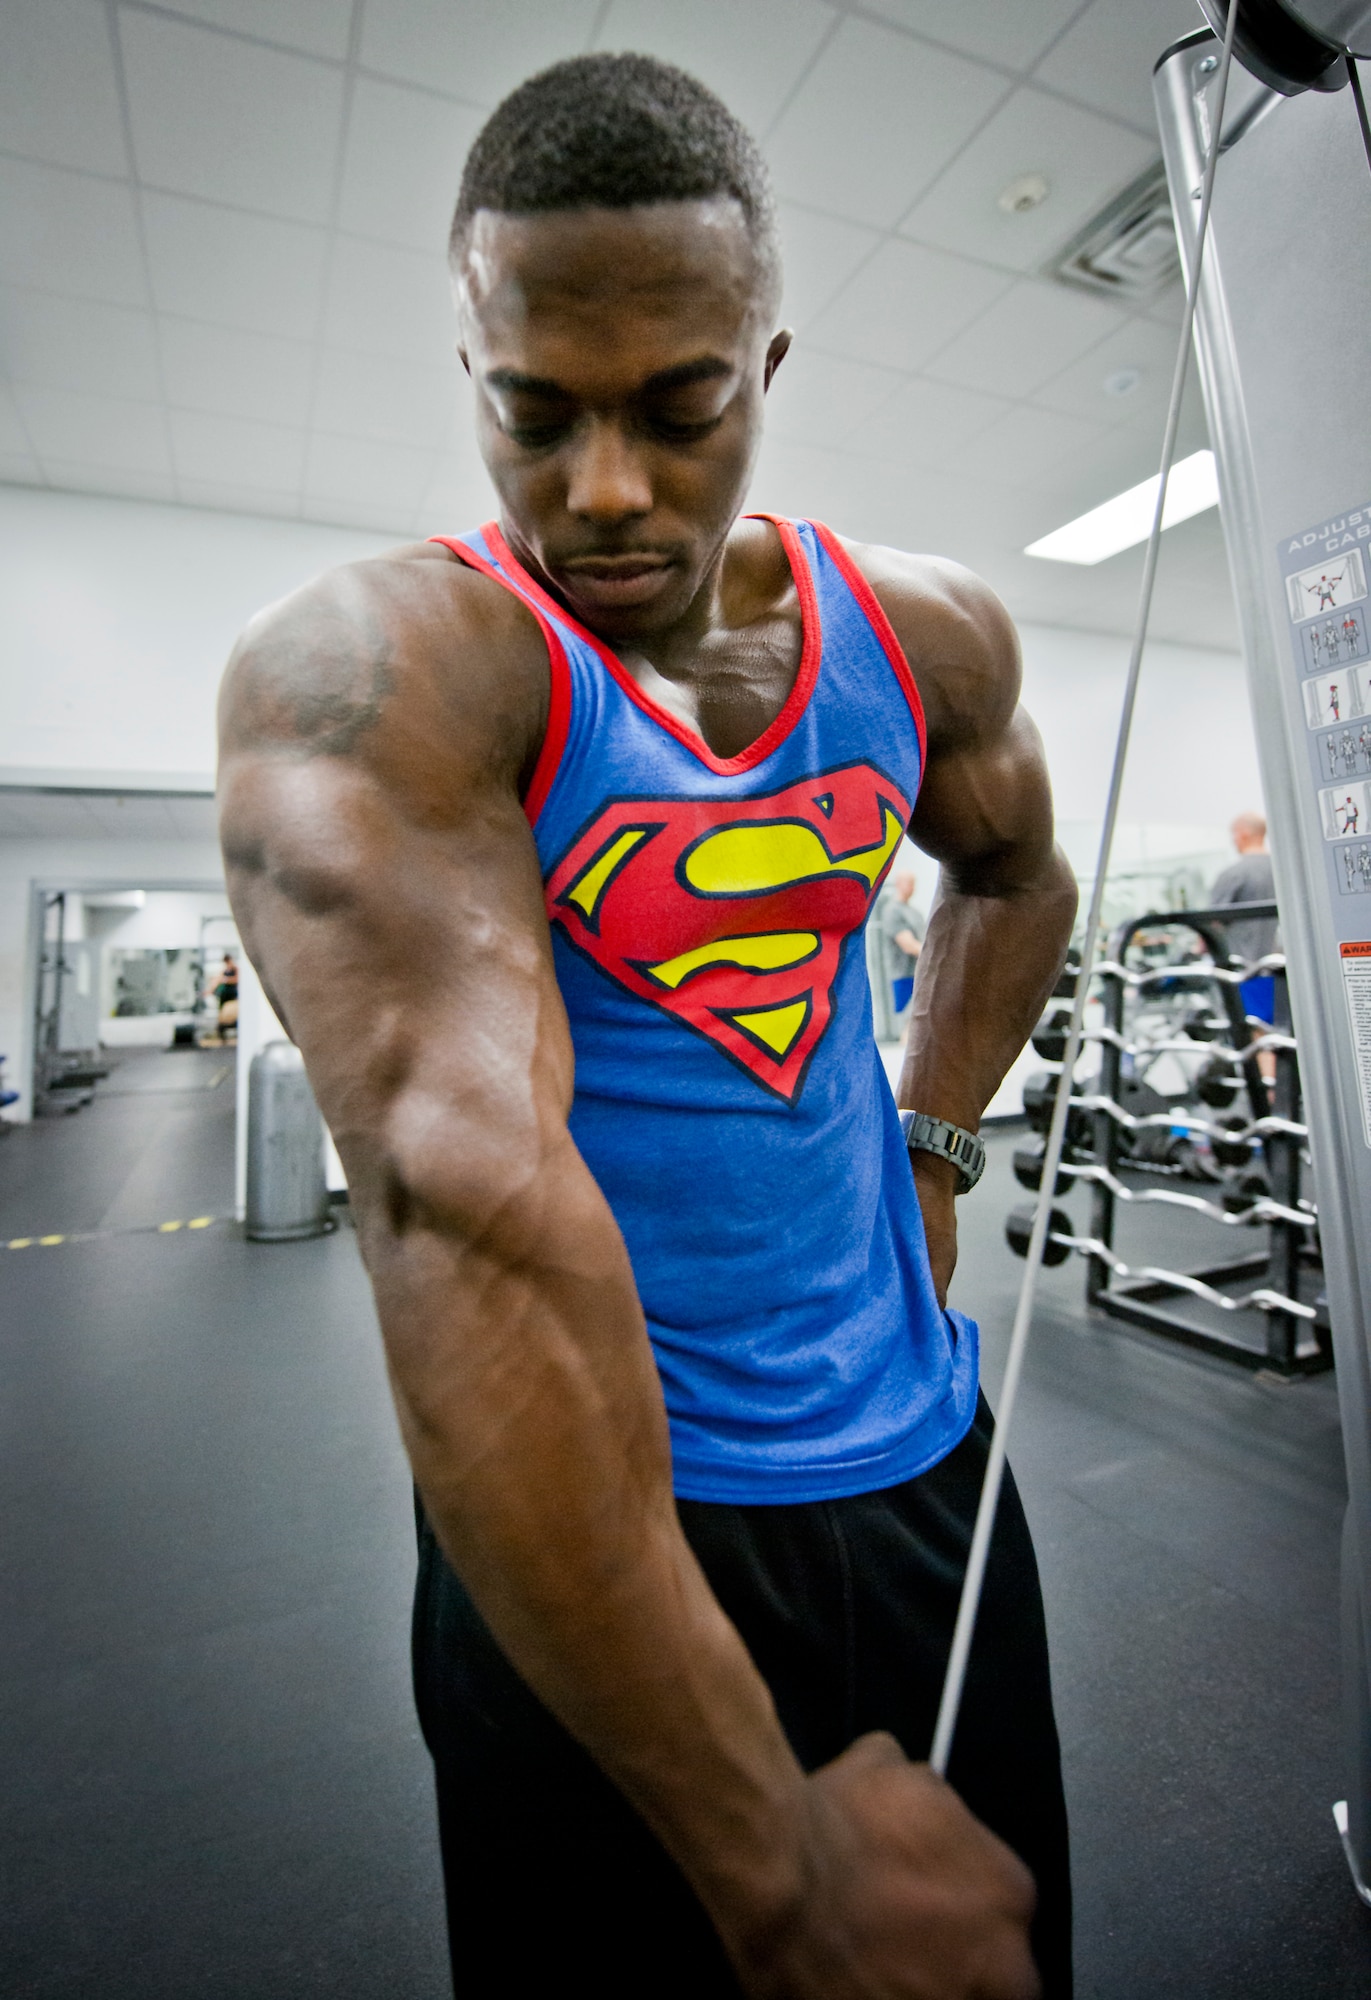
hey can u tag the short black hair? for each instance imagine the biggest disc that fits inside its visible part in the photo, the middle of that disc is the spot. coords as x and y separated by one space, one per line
615 131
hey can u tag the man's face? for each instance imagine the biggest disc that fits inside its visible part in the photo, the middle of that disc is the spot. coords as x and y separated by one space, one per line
620 357
904 887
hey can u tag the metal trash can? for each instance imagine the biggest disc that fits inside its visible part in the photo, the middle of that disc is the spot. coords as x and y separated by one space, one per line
287 1194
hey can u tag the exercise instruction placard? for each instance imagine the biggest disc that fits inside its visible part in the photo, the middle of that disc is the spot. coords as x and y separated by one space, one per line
1356 979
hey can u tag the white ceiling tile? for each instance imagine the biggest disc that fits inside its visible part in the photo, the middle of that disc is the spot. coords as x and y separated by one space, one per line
475 50
820 254
905 305
459 496
58 99
277 502
1141 345
874 121
20 468
1083 478
319 27
235 452
818 399
927 424
229 121
1169 305
1017 446
397 402
1012 35
1084 159
1025 338
14 439
71 343
805 481
123 478
64 232
403 163
235 374
356 472
1106 57
385 300
750 55
73 425
240 270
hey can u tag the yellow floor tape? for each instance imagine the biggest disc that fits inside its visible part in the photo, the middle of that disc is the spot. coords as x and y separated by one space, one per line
99 1235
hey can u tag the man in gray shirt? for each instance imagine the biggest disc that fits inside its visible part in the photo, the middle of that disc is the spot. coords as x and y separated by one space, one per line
902 930
1248 880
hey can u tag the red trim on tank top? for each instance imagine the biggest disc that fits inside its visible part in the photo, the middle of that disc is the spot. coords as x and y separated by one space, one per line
811 653
559 694
881 626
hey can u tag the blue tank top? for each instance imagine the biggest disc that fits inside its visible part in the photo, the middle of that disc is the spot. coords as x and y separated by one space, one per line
707 919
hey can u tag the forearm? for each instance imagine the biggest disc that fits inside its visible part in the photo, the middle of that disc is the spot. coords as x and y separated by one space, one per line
533 1415
987 965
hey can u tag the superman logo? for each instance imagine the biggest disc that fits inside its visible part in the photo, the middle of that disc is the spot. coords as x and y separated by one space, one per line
732 916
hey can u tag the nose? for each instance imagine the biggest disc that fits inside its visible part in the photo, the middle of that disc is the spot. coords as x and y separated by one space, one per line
608 481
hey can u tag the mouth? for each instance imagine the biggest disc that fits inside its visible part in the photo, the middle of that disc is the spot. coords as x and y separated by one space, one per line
613 582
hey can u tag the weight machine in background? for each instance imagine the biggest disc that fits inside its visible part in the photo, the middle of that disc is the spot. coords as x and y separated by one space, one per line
1282 342
1213 1146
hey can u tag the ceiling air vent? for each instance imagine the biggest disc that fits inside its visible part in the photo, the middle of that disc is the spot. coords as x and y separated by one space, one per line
1129 250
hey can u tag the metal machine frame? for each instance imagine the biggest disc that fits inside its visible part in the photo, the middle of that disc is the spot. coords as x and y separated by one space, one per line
1281 334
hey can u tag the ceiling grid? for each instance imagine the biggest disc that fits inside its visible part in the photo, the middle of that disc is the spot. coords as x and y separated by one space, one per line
222 271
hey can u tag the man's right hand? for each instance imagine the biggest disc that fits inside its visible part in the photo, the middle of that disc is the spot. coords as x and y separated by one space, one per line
906 1895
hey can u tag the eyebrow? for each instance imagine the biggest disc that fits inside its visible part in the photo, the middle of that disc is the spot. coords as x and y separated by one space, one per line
708 368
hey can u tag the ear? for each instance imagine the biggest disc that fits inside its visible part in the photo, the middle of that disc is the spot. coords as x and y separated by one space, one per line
776 354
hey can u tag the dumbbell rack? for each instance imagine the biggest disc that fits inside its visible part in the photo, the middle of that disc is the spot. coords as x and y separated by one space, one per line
1289 1292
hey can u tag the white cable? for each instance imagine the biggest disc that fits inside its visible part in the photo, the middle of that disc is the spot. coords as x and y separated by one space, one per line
955 1680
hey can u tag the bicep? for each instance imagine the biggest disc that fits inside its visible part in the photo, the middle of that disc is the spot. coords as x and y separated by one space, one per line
984 809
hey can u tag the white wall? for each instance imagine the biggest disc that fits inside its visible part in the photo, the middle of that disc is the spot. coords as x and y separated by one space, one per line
168 920
116 617
73 864
1192 759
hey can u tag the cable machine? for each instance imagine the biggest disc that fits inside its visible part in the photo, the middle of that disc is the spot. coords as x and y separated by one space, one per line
1276 243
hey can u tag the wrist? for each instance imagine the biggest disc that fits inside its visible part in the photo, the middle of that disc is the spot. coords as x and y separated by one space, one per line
942 1139
938 1177
753 1878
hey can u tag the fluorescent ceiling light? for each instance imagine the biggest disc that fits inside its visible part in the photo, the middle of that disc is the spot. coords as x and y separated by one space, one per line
1127 518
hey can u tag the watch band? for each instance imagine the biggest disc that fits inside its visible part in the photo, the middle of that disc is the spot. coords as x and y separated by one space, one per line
923 1134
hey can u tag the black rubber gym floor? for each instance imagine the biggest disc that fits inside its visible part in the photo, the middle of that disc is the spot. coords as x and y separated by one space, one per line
216 1786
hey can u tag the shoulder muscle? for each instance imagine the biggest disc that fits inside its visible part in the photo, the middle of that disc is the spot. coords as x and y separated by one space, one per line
958 638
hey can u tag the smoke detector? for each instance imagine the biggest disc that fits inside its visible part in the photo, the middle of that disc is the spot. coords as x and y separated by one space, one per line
1128 251
1027 192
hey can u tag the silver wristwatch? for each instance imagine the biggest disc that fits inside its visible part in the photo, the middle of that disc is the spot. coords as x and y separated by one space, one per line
923 1134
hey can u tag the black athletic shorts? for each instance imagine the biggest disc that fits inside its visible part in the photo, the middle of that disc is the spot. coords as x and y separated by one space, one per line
553 1882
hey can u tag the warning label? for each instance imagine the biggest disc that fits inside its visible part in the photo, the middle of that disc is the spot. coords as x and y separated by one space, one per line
1356 979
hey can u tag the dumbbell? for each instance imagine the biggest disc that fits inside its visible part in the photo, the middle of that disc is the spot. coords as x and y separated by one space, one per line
1065 988
1202 1025
1039 1096
1215 1084
1028 1166
1251 1189
1049 1037
1232 1152
1018 1229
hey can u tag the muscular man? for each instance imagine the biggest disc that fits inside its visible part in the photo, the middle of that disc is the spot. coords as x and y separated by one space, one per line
553 845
